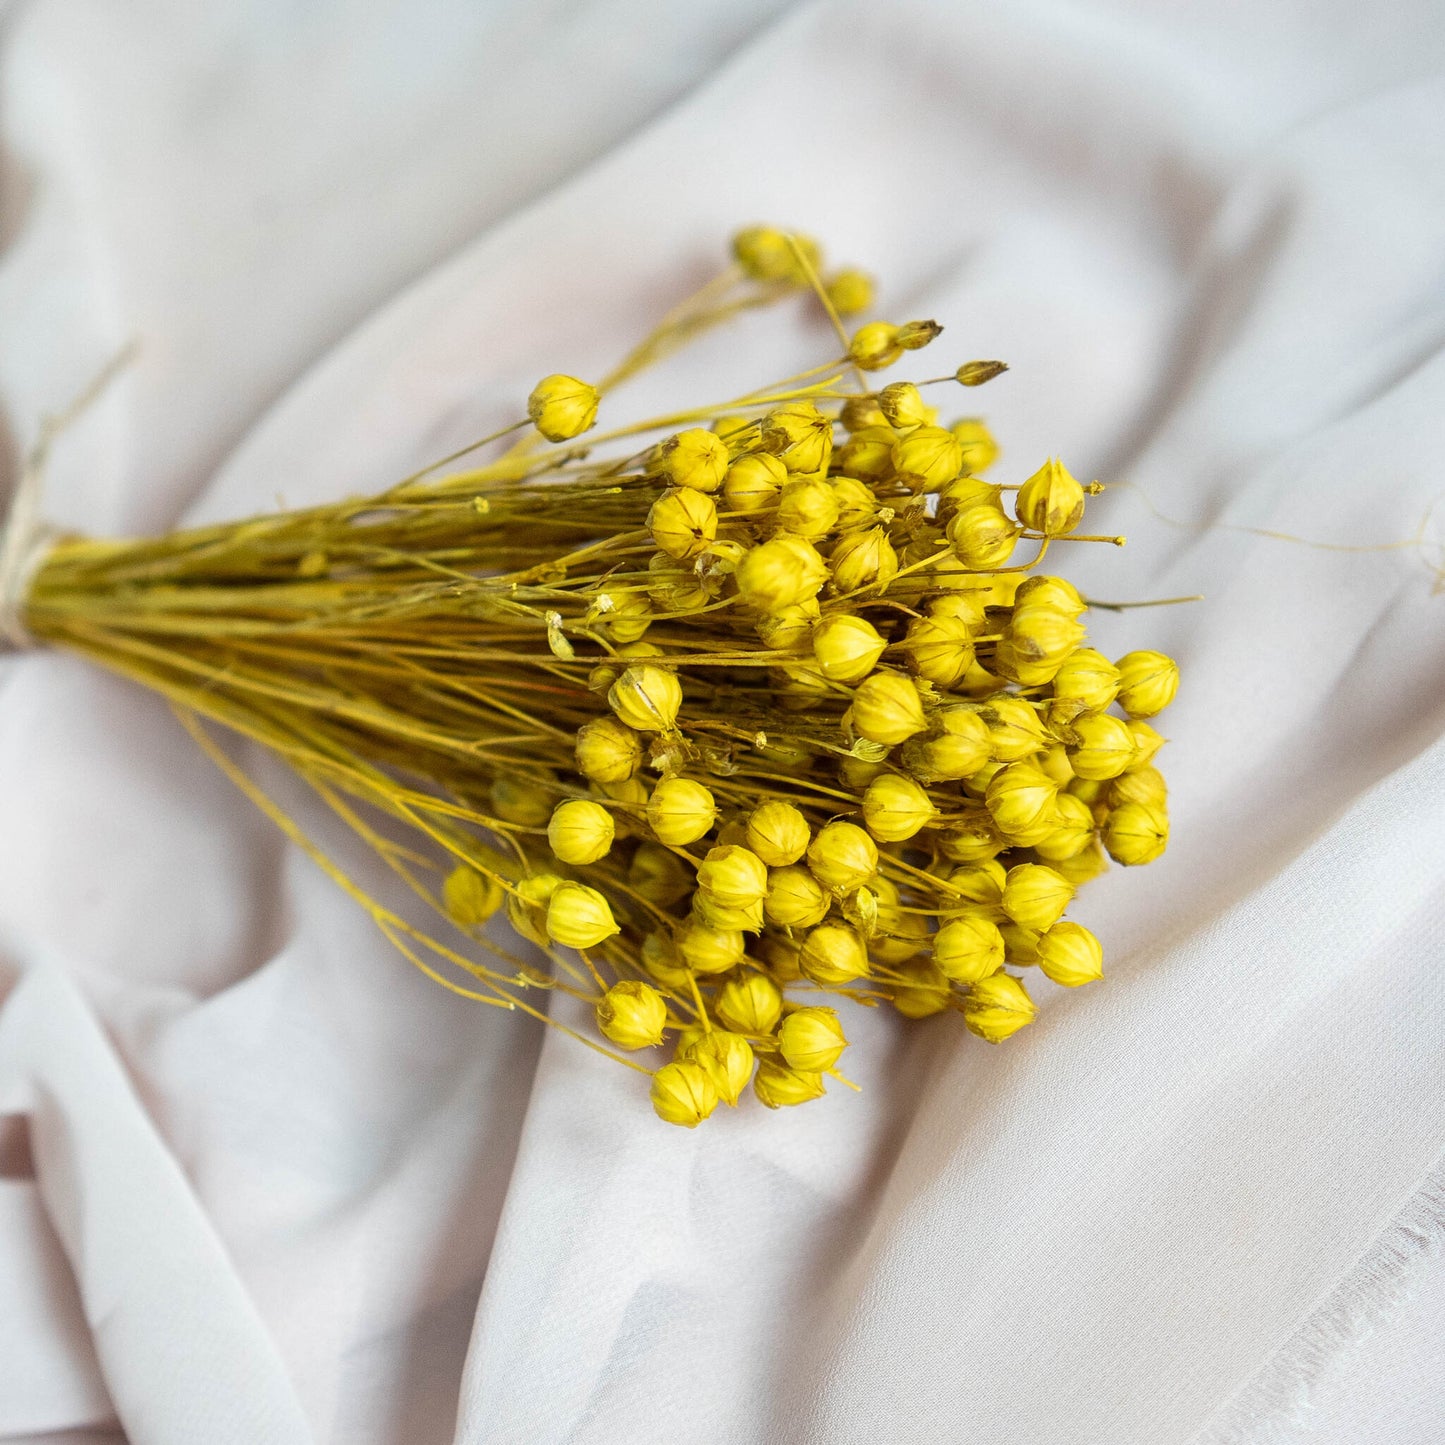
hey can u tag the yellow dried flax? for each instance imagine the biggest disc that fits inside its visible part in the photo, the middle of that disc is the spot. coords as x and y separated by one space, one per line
735 714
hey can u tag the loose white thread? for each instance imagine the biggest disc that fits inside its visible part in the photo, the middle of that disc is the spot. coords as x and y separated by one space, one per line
1274 1408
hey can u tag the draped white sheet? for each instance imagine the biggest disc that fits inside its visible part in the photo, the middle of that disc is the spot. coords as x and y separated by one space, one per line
260 1183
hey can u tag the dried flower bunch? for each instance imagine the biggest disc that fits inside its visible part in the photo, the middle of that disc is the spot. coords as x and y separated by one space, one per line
735 713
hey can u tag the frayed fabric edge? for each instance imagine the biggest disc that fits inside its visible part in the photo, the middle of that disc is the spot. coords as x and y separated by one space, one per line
1274 1408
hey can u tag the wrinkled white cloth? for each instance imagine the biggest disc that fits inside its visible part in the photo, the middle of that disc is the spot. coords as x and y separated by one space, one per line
259 1182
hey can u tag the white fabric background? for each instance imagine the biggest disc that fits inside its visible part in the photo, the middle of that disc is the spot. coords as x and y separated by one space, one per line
261 1183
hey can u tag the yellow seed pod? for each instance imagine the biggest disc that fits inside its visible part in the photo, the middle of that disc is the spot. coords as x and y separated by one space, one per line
875 346
561 407
683 1093
1054 760
1086 864
1069 954
799 688
789 628
1089 790
733 832
751 1004
900 937
962 743
982 537
964 492
579 916
842 857
977 373
979 884
885 893
680 811
972 838
1053 592
849 292
1011 665
1035 896
660 960
968 602
800 436
807 507
659 876
632 1014
1040 634
997 1006
733 876
580 832
1147 743
1139 785
795 899
1014 729
527 907
683 522
980 450
968 949
902 405
857 506
927 458
778 952
1136 833
1088 679
915 335
646 698
862 559
469 897
939 648
832 954
710 950
780 1087
521 801
811 1039
1021 799
977 785
1020 943
1102 746
1072 832
1051 501
674 586
778 833
624 616
887 709
846 647
712 914
753 482
868 455
732 426
926 991
895 808
944 758
861 412
1148 682
726 1058
695 458
855 772
764 253
782 572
